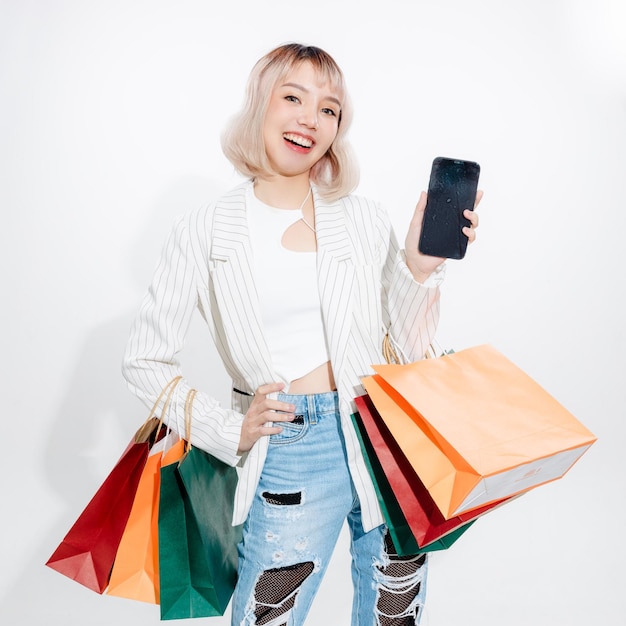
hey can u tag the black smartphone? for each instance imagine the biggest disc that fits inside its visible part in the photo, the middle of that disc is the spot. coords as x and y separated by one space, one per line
451 189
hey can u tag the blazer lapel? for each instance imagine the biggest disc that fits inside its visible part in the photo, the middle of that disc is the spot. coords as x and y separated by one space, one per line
235 290
335 269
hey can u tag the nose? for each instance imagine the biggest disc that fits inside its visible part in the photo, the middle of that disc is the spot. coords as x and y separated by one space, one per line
308 117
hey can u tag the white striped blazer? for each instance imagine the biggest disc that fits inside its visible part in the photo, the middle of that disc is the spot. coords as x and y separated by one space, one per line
365 290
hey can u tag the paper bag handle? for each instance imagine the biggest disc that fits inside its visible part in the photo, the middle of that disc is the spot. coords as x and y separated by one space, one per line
393 353
191 394
147 429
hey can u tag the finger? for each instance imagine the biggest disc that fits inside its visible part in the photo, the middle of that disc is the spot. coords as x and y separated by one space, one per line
415 227
470 233
263 403
265 431
264 390
472 216
479 197
418 215
263 410
256 421
279 416
278 406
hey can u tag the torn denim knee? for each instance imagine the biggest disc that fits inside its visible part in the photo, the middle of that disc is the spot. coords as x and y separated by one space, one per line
401 588
275 594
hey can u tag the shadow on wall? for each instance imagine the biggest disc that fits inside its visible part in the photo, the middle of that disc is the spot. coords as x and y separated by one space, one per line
97 418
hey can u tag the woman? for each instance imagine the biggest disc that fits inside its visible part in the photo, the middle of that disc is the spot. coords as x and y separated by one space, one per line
299 282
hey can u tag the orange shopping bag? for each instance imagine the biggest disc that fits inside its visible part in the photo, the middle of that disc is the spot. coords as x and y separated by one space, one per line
135 573
475 427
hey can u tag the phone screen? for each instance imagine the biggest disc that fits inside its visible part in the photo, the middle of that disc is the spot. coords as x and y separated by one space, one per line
451 190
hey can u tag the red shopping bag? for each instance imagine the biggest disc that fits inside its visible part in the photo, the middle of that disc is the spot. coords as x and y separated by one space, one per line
88 550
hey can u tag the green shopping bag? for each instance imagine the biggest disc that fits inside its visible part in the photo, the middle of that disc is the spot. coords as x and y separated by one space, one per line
197 542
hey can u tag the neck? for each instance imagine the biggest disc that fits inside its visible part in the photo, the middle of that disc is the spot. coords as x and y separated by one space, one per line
281 192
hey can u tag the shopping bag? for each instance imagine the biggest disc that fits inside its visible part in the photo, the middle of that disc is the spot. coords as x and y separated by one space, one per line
197 542
475 427
412 515
402 536
135 573
88 550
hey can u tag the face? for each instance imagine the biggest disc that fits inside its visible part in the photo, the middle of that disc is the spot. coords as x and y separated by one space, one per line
301 121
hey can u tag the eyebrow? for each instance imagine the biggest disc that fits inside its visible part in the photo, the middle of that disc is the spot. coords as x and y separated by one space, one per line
302 88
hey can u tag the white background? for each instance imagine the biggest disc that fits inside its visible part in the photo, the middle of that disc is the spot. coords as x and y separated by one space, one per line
110 115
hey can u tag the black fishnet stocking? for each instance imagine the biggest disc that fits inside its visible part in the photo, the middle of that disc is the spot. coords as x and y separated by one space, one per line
276 587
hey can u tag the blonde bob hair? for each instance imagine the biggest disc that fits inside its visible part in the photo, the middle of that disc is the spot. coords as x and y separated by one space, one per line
336 173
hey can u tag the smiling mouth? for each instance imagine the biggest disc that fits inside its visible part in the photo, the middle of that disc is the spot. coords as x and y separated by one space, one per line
299 141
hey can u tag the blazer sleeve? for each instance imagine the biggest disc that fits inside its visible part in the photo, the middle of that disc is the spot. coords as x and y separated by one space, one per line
412 308
158 335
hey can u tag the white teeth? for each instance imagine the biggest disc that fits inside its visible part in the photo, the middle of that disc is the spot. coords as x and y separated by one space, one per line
297 139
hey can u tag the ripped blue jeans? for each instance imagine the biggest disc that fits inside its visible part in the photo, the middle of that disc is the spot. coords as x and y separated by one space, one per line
304 496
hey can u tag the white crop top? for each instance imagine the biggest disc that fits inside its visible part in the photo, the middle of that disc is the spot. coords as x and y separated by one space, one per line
288 293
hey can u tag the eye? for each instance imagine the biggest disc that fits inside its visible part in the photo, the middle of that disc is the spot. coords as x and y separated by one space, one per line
328 111
292 99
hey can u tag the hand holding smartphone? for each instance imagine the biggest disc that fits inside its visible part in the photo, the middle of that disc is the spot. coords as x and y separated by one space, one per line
452 189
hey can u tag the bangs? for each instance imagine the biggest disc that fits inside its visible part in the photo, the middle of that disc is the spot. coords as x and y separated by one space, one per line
282 61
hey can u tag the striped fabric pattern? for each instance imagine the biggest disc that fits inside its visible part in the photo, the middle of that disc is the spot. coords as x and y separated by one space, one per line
365 289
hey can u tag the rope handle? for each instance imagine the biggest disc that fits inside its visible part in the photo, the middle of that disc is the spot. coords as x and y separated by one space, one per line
143 434
393 353
389 350
191 394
